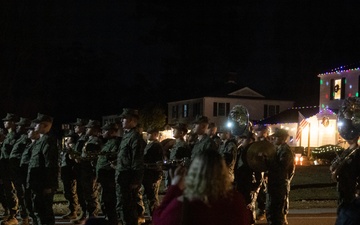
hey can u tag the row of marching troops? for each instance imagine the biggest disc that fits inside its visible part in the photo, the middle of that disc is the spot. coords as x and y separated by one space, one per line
125 168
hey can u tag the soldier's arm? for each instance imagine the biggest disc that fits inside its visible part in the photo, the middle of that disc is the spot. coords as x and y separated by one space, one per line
230 153
137 164
51 157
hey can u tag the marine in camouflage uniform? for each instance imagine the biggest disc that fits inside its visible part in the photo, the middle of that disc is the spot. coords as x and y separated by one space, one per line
203 142
43 171
19 176
262 134
228 150
347 175
87 162
153 153
24 166
6 174
106 174
68 176
180 149
80 131
281 172
212 132
129 169
2 191
246 180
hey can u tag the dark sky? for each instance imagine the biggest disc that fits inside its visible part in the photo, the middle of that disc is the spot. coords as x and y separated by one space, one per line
90 58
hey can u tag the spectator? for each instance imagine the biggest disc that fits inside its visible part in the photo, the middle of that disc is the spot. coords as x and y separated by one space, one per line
204 196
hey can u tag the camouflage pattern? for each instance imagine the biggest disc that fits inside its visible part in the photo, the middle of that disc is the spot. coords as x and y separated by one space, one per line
228 150
281 172
129 176
152 177
88 175
7 174
180 150
43 177
205 144
106 177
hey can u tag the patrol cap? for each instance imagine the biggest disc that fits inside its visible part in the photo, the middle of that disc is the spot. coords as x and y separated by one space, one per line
24 122
11 117
181 127
80 122
280 133
43 118
110 126
201 119
151 130
129 112
93 124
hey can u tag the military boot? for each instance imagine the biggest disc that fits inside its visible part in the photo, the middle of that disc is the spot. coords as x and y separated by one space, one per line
70 216
11 220
24 221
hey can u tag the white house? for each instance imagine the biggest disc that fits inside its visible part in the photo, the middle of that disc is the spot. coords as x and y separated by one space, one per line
217 108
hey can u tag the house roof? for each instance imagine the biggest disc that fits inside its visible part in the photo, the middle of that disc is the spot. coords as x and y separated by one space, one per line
246 92
291 115
342 69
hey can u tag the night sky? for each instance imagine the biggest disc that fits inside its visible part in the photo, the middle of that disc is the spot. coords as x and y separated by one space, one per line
91 58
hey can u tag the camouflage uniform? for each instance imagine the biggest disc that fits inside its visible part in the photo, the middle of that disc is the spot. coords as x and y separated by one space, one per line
153 153
281 172
18 175
87 171
2 190
77 173
69 181
228 150
129 176
348 211
180 150
24 166
7 175
106 177
43 174
205 144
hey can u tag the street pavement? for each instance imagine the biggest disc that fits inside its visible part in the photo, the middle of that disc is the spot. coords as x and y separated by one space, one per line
315 216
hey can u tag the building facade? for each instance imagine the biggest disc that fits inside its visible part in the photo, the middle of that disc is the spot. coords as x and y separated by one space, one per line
337 85
217 109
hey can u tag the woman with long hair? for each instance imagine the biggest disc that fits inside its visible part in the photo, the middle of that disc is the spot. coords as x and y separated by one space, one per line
204 196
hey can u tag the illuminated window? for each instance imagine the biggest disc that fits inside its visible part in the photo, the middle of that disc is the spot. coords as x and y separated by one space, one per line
185 113
337 89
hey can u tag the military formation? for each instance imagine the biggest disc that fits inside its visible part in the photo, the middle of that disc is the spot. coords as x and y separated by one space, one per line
120 175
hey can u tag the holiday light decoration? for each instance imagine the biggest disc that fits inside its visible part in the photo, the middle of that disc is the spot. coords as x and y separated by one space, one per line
342 69
327 152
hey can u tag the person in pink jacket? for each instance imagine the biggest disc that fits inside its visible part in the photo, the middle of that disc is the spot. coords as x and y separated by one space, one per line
203 197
